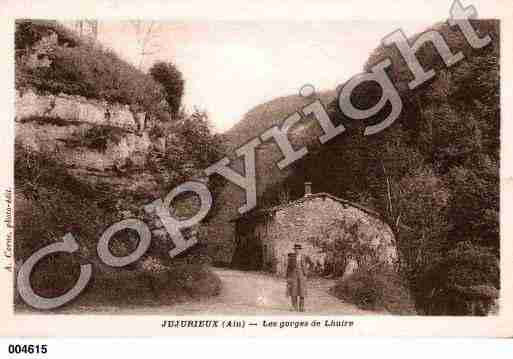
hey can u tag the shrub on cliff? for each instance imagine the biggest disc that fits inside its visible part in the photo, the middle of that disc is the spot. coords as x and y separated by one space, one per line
96 138
168 75
447 284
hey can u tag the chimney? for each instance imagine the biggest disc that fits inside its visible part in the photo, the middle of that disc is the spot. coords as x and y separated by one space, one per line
308 188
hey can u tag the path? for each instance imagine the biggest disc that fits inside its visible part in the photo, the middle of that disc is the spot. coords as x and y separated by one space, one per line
249 293
242 293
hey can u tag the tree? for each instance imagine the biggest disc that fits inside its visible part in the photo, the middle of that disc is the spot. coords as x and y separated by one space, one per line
87 28
450 194
168 75
146 33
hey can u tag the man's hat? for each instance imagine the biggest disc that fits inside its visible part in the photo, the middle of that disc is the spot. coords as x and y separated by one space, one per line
297 246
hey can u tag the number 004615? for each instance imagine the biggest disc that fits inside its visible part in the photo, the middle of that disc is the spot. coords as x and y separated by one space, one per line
28 349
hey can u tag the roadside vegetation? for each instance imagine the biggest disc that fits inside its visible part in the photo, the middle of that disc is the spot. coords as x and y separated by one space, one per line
377 288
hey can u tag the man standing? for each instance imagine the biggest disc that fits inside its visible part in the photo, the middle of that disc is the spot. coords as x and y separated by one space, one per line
296 278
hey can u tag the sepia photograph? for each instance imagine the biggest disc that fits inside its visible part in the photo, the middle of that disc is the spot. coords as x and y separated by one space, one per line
244 168
247 170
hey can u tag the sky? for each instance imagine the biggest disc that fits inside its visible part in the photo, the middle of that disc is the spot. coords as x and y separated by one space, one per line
230 67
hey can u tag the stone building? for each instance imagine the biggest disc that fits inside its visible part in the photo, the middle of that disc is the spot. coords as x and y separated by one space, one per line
336 235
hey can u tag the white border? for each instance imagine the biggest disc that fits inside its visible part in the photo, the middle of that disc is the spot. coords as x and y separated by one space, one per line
107 325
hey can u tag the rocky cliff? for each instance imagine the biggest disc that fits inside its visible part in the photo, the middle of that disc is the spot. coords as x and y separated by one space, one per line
98 141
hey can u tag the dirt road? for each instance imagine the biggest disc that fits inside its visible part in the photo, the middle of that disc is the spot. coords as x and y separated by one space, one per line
249 293
242 293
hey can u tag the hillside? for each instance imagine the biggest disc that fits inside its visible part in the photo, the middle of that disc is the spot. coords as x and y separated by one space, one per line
434 174
50 58
95 142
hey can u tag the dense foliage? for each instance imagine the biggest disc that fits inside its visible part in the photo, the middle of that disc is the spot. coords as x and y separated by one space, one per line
434 174
376 288
171 79
191 146
451 197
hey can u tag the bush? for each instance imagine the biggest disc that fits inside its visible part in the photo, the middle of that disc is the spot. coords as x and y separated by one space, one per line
171 79
194 279
443 287
152 282
376 288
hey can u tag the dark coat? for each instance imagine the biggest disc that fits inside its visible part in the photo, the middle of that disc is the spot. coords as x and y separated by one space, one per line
296 276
